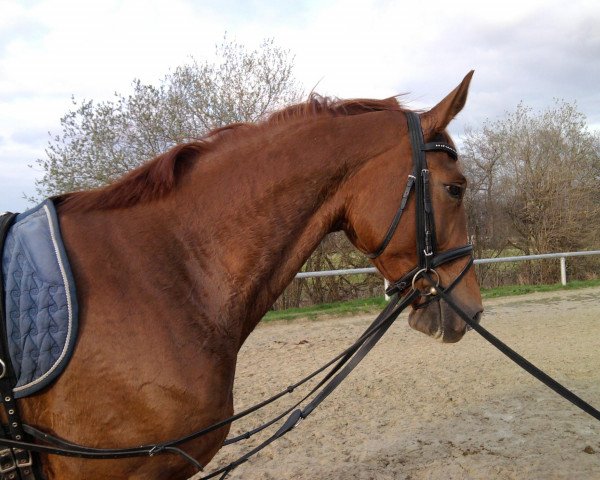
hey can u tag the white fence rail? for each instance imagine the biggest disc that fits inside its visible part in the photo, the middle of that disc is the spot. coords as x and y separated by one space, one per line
562 257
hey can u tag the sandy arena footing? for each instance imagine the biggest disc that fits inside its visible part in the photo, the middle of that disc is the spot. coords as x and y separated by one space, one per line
418 409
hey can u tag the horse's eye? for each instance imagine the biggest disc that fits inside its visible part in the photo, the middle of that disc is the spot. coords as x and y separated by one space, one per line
455 191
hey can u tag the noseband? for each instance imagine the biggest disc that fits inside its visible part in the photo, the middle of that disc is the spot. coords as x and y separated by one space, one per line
428 257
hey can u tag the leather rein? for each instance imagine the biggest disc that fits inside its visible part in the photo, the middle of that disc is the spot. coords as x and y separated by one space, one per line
15 454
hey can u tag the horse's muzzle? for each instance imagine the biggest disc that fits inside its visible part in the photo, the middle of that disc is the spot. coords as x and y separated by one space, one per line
438 320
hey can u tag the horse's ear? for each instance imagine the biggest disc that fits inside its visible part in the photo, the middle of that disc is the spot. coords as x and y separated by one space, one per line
440 116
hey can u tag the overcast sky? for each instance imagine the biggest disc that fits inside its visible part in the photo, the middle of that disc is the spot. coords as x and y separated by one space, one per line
51 50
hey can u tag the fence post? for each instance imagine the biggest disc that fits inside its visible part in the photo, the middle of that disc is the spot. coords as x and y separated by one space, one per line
563 271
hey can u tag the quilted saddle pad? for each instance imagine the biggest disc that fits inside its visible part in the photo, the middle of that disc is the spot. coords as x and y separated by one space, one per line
40 299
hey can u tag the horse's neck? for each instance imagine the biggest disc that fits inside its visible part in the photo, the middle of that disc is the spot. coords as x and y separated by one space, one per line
260 211
242 222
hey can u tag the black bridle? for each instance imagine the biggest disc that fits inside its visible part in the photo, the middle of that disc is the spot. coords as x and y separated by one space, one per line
427 256
339 367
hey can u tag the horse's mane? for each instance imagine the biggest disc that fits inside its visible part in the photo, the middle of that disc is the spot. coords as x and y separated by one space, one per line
157 177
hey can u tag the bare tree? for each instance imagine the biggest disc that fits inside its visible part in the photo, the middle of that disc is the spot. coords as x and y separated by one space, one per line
536 179
482 154
102 140
549 180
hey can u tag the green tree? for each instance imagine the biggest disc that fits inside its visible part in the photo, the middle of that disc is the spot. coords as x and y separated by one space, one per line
102 140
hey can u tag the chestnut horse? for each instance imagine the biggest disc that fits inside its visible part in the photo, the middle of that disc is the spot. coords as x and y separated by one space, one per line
178 261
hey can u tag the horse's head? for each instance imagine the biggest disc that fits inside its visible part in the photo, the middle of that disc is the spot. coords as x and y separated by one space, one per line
376 205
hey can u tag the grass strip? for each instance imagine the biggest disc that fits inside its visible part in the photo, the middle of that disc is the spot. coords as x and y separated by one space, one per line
366 305
510 290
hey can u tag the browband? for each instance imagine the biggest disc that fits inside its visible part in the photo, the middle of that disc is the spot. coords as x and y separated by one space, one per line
441 147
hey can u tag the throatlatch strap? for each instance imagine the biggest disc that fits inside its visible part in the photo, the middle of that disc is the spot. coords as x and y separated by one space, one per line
390 233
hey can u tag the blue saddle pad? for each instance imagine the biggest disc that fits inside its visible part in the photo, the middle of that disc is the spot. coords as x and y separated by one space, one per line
40 299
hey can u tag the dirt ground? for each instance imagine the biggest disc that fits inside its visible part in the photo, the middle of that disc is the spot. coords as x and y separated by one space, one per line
418 409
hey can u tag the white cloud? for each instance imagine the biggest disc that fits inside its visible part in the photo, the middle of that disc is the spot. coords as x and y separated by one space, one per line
93 48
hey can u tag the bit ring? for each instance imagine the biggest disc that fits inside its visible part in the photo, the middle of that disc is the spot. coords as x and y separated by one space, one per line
416 277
